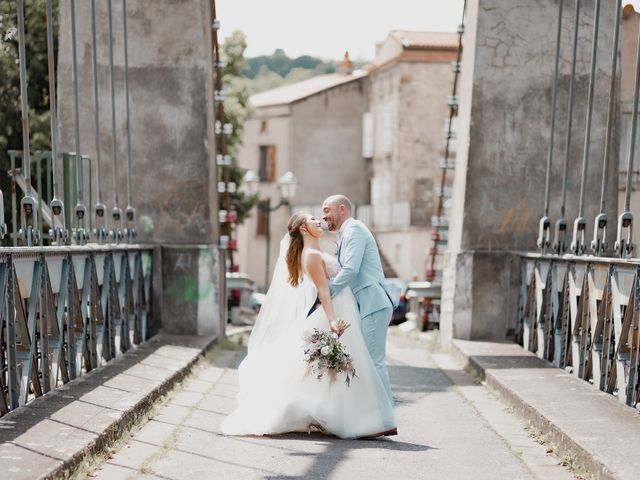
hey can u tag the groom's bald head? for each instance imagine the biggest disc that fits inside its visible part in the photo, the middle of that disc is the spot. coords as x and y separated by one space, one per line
335 210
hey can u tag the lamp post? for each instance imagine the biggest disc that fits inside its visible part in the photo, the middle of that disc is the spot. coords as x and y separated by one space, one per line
287 185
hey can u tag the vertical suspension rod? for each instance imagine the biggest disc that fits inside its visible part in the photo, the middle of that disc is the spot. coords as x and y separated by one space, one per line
634 123
625 221
561 224
116 173
567 153
554 98
96 101
116 212
578 243
443 176
99 208
130 211
221 141
52 98
545 223
24 107
76 104
587 133
57 232
598 244
126 102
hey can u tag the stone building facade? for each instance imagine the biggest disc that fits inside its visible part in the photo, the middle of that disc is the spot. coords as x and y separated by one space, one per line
410 80
375 135
313 129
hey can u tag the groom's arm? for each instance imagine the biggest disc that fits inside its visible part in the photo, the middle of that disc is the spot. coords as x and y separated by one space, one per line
353 249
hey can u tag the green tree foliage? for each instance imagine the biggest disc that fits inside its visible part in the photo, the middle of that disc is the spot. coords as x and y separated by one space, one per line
237 110
38 83
281 64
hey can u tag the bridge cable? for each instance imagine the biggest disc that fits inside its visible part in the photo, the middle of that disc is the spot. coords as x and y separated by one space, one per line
116 213
222 129
130 230
624 245
29 214
80 235
100 209
561 223
453 112
58 232
545 223
578 245
599 242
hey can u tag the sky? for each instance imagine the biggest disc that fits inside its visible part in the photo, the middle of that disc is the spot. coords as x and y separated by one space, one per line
326 28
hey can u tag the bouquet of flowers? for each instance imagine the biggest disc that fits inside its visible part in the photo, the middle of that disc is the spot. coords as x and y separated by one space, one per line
325 354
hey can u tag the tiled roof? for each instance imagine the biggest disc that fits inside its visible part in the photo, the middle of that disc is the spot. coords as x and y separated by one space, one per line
426 40
300 90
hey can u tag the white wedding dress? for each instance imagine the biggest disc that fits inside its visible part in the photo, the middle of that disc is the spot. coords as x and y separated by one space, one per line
276 396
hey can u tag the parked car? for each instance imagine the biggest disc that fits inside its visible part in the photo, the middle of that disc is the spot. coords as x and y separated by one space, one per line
400 312
257 299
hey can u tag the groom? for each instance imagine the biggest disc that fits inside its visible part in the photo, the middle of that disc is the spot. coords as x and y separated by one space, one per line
361 269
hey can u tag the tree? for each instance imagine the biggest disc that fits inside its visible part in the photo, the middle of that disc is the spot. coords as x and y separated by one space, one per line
237 110
38 82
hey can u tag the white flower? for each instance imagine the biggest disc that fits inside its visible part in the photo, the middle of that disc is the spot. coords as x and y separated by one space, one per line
326 350
335 335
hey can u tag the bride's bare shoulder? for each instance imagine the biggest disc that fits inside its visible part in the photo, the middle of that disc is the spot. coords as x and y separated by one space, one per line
313 259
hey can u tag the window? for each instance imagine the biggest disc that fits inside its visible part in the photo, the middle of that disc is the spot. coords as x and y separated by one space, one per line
267 171
262 223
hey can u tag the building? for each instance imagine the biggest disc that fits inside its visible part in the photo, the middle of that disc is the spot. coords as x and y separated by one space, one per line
312 128
404 137
375 135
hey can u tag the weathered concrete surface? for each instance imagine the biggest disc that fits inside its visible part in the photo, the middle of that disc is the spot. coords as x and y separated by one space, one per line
598 432
174 173
442 434
319 139
189 290
505 112
52 434
170 88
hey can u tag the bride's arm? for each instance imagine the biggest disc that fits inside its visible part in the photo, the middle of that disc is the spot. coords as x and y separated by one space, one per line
315 268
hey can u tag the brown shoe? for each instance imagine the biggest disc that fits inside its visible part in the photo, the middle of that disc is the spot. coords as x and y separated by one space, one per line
387 433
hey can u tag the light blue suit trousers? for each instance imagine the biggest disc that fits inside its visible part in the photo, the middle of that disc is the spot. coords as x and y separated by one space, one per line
361 270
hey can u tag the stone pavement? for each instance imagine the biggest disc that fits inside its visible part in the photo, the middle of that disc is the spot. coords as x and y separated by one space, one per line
593 428
49 436
450 427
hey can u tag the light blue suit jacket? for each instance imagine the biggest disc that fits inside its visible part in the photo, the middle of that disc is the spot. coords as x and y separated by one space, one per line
362 270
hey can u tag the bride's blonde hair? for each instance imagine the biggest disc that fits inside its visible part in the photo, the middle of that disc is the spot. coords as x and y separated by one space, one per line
296 244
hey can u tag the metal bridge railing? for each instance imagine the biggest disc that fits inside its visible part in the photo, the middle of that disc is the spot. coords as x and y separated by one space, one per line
581 310
65 311
583 314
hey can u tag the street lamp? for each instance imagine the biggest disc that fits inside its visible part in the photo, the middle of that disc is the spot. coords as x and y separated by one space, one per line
287 185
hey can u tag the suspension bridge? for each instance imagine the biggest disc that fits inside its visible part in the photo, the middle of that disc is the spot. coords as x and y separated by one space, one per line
107 303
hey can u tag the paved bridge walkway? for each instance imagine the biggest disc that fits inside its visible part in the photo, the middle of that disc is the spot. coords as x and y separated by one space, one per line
450 427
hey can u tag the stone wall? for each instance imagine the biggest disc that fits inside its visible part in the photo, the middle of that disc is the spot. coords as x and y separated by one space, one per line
170 84
174 172
505 113
326 144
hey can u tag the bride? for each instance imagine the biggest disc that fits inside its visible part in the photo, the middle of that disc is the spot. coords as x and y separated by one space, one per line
276 395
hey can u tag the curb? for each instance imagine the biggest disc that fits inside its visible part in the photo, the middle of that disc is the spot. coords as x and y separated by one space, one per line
115 432
68 465
565 445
